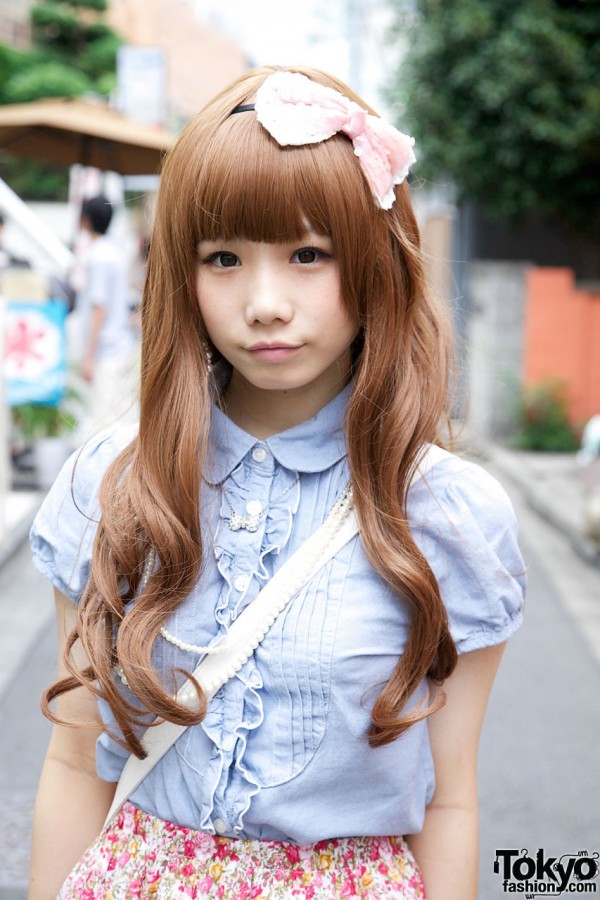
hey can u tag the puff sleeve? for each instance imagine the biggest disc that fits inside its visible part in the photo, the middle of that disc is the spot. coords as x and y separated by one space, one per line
63 531
465 526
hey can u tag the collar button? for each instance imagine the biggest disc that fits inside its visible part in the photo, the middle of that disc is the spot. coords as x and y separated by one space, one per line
259 454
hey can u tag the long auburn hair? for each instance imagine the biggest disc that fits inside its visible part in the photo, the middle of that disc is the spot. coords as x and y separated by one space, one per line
227 178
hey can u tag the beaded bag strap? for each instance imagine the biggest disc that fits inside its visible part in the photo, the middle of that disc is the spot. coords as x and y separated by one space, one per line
248 630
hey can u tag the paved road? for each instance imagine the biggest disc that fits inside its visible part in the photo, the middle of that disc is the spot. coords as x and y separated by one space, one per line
539 769
27 664
540 749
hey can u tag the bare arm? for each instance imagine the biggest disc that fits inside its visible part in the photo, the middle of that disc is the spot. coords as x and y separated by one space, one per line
72 801
447 848
98 315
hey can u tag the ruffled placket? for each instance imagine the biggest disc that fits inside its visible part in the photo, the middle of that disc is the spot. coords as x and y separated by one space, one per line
264 497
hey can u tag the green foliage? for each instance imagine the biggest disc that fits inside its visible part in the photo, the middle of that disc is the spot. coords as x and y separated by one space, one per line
544 421
100 57
98 5
37 420
10 61
50 79
74 53
55 25
82 42
33 180
504 97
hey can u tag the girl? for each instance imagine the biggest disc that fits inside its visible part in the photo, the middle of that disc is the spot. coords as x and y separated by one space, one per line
289 349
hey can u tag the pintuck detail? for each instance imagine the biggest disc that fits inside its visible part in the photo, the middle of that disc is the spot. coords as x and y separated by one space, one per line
243 558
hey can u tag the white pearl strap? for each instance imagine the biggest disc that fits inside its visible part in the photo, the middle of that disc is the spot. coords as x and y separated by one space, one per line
233 640
336 516
249 629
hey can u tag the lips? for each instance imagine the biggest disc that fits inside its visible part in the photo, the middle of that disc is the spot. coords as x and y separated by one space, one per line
275 352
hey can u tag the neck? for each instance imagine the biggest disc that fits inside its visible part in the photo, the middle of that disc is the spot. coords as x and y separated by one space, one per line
264 413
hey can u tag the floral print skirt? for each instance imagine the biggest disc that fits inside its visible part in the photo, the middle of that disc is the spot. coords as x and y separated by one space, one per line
138 856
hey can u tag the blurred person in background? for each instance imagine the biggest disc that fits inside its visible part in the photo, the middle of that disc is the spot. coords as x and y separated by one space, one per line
107 342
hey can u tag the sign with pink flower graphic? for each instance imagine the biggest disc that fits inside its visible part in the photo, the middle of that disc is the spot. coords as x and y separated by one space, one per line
35 353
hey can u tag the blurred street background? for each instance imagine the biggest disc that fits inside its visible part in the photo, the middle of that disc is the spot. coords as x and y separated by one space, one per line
504 102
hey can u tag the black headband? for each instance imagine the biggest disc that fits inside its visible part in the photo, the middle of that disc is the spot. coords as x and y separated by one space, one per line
247 107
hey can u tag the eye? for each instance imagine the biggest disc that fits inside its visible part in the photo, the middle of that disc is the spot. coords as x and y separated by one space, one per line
222 259
308 255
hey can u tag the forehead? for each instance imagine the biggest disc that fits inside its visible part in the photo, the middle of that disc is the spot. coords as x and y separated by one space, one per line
247 186
308 233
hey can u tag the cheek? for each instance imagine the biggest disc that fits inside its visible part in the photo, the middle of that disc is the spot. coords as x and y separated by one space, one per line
206 304
197 291
337 316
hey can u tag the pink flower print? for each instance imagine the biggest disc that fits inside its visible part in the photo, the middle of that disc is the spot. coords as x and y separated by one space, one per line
189 849
322 845
221 851
293 854
192 865
225 851
348 886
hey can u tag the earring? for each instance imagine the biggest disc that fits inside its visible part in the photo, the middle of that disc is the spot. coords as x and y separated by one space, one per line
207 356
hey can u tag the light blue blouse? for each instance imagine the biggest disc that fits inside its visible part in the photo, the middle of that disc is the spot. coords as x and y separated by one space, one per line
282 753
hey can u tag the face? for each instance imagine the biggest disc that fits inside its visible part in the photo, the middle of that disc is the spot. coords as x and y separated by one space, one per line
275 312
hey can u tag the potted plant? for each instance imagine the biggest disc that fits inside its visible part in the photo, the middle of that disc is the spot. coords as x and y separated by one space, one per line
49 429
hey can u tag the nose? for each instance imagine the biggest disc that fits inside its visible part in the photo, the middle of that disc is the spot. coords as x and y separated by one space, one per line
268 299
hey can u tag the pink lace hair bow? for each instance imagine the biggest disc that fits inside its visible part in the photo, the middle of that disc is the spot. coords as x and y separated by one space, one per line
295 110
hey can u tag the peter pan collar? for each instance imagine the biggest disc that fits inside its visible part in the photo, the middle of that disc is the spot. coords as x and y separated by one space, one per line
311 446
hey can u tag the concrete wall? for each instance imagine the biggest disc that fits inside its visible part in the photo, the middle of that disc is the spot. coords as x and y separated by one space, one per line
495 345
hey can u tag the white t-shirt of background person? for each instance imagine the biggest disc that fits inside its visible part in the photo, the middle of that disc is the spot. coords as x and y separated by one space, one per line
106 284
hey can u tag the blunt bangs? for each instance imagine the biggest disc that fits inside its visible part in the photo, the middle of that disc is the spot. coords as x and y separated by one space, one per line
251 188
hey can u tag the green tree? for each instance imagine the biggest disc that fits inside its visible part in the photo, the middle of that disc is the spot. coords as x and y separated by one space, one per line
73 52
504 98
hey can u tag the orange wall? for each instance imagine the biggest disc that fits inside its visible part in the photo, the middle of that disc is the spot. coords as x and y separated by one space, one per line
562 338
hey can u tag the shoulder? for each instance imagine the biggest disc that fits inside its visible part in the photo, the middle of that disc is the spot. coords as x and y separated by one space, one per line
84 470
456 489
464 524
63 530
